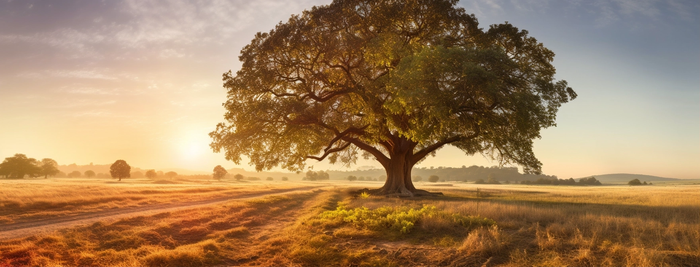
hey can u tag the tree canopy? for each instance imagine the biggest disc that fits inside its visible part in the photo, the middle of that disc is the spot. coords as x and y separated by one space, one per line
120 169
634 182
391 80
18 166
171 174
219 172
150 174
49 167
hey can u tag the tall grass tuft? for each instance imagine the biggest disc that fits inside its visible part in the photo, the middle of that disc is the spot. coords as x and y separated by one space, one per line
401 219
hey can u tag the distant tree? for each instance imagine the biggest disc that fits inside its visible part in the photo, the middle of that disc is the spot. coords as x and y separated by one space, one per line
433 178
352 178
310 176
314 176
89 173
284 178
479 181
381 178
219 172
238 177
269 179
137 174
569 181
120 169
254 178
61 174
160 173
151 174
634 182
492 179
323 176
74 174
49 167
19 166
589 181
417 178
170 174
361 178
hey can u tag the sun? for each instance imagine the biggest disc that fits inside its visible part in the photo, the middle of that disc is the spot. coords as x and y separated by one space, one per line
193 146
193 150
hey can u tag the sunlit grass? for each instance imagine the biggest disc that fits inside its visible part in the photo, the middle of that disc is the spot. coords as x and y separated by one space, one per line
526 226
22 201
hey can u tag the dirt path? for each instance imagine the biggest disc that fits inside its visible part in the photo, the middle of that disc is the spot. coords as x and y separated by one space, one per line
22 229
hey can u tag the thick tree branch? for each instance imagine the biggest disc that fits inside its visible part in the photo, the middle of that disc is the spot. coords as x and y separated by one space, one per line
329 151
338 136
383 159
429 149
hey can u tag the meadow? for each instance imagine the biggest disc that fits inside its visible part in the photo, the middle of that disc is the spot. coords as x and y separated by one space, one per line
337 225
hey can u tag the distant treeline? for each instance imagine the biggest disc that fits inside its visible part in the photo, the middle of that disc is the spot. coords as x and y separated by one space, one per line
447 174
570 181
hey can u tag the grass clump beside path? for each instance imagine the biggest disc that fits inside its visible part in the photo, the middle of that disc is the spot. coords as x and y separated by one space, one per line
400 219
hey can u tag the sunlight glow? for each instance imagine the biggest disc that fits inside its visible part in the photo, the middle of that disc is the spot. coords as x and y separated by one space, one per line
193 146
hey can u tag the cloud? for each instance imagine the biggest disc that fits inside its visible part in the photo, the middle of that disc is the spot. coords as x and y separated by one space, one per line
143 29
81 74
643 13
78 43
72 74
646 8
171 53
84 102
604 12
94 113
90 91
685 11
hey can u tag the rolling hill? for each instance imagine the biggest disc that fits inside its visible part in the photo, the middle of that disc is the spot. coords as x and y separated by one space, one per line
618 178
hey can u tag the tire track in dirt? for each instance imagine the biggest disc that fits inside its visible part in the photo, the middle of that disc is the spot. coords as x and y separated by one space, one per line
22 229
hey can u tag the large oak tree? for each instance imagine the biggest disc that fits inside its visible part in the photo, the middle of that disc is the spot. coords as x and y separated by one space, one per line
392 80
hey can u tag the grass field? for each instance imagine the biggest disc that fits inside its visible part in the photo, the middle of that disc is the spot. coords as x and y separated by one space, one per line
506 225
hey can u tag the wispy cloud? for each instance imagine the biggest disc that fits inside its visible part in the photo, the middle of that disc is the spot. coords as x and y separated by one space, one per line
74 74
84 102
81 74
93 113
603 12
90 91
685 9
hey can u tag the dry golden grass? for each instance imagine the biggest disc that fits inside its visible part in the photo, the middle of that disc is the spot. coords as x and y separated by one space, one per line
22 200
536 226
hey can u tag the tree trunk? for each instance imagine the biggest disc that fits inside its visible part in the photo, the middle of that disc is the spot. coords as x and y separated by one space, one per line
398 172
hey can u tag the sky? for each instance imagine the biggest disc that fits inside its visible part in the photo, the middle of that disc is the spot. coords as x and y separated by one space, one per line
85 81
